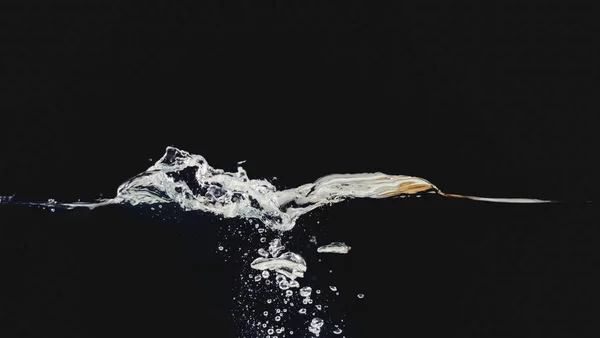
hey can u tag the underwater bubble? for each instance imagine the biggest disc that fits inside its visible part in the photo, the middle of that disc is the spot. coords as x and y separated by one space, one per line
316 322
305 291
284 285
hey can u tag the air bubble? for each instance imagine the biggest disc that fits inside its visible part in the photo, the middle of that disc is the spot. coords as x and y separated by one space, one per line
305 291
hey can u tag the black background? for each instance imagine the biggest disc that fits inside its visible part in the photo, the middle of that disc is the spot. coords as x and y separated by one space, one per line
494 100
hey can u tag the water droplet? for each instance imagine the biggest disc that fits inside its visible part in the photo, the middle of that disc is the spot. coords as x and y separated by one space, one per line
360 295
332 288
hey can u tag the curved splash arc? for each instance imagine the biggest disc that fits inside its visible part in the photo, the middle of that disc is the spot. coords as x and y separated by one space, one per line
188 180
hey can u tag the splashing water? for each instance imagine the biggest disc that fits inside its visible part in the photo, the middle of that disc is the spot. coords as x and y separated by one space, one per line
188 180
191 182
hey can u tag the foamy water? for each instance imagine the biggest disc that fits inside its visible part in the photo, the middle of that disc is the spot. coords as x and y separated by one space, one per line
188 180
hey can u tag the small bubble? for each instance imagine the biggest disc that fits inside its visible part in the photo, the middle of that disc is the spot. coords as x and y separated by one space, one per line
277 318
220 248
289 293
269 301
305 291
284 285
318 307
302 311
332 288
265 274
266 313
263 239
360 295
337 331
52 209
270 331
318 291
257 278
316 322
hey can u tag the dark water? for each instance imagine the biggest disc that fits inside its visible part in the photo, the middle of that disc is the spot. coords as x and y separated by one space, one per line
427 266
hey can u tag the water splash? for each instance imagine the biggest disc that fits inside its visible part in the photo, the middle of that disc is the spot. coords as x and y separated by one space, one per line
188 180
